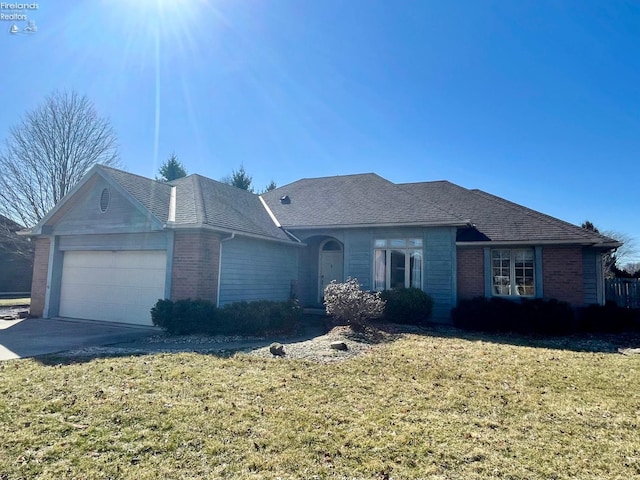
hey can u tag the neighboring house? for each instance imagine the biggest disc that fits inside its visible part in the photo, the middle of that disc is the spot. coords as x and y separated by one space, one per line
16 259
118 242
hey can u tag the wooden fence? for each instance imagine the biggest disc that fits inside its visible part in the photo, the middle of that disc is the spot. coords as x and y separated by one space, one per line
624 291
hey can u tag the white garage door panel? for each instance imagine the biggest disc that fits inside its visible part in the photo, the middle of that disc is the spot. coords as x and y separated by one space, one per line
112 286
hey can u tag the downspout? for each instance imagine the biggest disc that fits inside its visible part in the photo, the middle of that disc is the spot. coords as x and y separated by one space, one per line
231 237
171 220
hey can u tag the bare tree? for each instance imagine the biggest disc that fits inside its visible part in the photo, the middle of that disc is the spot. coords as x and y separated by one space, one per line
11 244
627 252
614 261
632 268
49 151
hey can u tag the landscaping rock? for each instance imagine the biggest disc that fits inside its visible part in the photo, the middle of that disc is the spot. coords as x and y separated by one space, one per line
13 313
276 349
338 346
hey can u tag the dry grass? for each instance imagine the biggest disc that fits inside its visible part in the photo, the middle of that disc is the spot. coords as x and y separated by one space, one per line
418 407
10 302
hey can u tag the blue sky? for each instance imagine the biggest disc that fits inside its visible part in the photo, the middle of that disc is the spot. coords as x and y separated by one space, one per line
534 101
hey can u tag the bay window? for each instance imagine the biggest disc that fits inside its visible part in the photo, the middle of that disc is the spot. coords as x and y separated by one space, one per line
397 263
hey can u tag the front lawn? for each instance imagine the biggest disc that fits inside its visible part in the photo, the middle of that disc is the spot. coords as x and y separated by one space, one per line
11 302
419 407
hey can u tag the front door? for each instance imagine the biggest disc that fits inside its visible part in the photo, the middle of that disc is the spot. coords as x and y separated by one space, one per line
331 265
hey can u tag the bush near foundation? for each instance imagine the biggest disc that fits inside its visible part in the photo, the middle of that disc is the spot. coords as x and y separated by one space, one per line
608 318
349 303
184 316
503 315
241 318
549 317
258 317
407 305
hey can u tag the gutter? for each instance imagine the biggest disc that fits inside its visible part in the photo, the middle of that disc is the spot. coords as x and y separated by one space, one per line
196 226
379 225
537 242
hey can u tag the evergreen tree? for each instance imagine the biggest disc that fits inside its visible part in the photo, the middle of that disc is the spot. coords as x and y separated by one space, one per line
172 169
240 179
272 186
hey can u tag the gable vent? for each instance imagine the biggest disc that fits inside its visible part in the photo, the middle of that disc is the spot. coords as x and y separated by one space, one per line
105 199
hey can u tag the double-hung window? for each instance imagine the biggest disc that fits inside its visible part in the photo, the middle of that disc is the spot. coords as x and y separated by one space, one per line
397 263
512 272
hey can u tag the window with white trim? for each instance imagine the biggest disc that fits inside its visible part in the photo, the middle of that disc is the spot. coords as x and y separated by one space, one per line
512 272
397 263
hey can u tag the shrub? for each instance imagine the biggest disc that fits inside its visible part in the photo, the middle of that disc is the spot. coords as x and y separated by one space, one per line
348 302
501 315
480 313
201 316
608 318
551 317
407 305
258 317
184 316
161 313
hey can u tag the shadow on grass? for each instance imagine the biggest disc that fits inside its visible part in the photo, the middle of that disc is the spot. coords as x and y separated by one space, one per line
578 342
377 333
218 346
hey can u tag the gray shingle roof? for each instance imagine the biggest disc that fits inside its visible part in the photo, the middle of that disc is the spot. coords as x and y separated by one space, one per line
364 199
351 200
152 194
500 220
201 202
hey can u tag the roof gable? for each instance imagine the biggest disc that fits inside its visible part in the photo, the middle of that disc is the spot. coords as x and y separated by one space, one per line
129 186
153 195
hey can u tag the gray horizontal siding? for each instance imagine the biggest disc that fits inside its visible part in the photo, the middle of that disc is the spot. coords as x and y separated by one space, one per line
439 278
120 241
440 270
589 276
359 255
256 270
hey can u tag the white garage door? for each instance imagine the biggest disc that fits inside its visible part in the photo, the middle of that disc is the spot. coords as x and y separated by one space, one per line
112 286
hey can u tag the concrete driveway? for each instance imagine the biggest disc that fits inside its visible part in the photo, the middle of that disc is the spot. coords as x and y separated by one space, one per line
34 336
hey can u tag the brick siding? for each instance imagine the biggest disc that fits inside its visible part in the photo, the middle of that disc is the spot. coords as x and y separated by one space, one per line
562 274
470 272
196 257
39 280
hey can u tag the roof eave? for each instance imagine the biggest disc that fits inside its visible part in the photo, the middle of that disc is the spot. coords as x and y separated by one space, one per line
457 223
582 243
202 226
